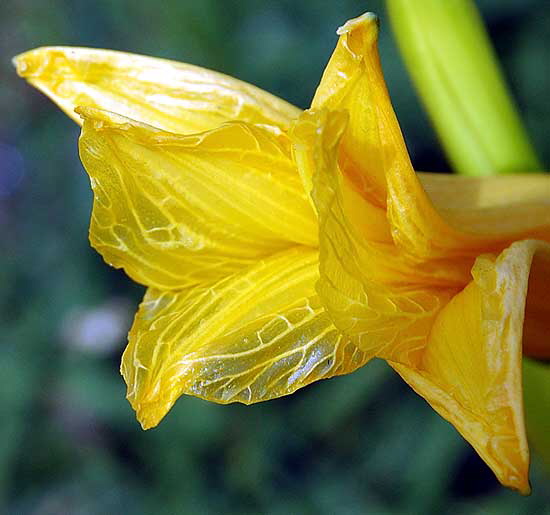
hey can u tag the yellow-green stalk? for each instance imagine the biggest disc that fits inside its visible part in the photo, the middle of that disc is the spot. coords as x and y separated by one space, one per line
536 393
453 65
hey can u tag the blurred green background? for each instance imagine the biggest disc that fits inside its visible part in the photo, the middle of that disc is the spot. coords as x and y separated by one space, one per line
69 442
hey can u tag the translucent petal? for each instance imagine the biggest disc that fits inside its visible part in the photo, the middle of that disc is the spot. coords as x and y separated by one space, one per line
471 369
172 96
373 294
353 81
478 219
174 210
256 335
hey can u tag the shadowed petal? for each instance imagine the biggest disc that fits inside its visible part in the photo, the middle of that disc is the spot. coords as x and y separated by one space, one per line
251 337
173 96
174 210
471 369
501 208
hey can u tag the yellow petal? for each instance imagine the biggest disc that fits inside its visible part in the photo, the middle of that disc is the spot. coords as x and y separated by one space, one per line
500 208
174 210
374 158
353 81
172 96
463 217
256 335
373 154
373 294
471 369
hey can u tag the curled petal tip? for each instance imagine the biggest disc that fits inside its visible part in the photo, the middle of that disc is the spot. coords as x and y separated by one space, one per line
83 112
14 61
97 118
366 20
34 63
21 64
359 34
101 118
525 489
150 403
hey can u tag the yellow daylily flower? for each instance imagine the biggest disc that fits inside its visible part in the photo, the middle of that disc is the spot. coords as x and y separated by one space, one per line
441 276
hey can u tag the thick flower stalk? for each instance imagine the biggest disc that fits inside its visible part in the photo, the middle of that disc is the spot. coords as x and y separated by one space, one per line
456 72
257 288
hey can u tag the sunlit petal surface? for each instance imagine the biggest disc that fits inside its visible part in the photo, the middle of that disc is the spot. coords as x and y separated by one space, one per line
172 96
253 336
173 210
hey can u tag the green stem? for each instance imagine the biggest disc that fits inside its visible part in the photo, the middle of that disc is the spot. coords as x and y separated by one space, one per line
454 68
536 393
